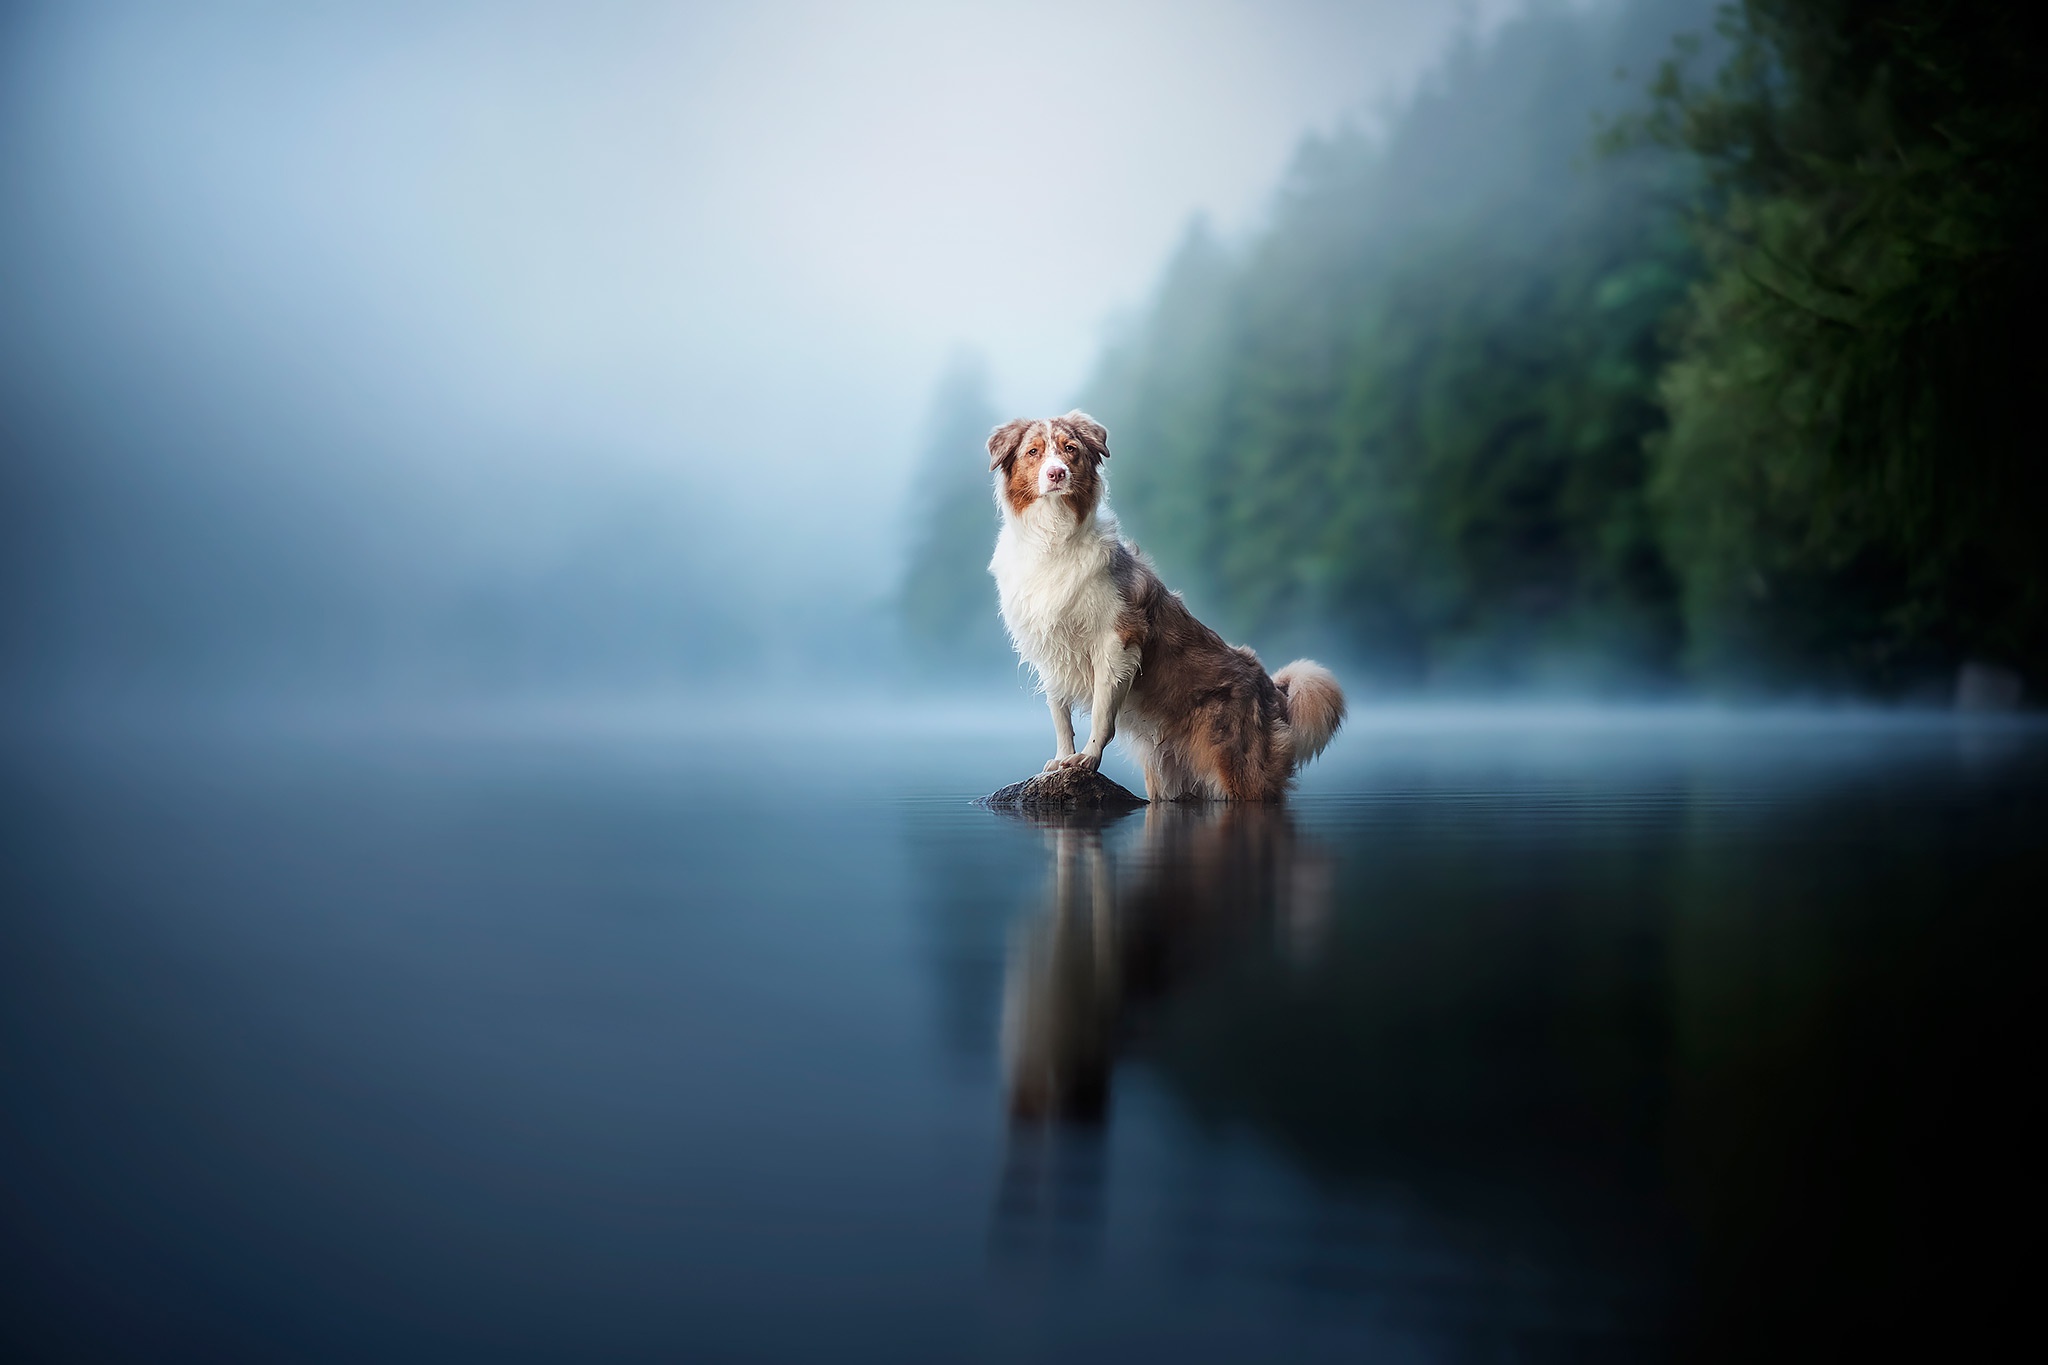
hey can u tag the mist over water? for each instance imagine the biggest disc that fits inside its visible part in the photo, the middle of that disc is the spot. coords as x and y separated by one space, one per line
497 663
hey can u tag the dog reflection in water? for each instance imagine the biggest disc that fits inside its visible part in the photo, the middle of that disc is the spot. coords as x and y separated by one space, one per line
1119 932
1127 922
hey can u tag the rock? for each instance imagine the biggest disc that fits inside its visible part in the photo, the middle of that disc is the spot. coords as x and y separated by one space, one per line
1064 789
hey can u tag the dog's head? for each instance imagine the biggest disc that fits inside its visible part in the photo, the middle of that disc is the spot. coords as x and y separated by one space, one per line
1051 457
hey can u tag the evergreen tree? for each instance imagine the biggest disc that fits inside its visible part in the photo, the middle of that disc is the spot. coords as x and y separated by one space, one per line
1411 413
1853 483
1744 402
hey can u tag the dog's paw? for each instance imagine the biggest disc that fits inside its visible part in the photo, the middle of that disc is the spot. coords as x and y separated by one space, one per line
1086 762
1057 762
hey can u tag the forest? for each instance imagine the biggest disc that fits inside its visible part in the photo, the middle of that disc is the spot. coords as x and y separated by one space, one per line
1649 348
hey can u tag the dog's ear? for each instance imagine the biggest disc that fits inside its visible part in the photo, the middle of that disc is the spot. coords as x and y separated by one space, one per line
1003 442
1093 434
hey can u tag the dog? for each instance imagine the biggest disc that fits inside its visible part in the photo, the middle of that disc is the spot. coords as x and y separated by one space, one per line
1091 617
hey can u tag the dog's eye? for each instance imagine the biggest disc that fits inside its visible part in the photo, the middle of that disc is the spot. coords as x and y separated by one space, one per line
1073 449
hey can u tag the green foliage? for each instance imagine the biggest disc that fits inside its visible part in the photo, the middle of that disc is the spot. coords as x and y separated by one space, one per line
1743 400
1852 481
1413 412
947 602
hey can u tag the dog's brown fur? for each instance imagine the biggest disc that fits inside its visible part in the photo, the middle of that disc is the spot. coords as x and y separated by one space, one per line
1204 719
1020 449
1214 712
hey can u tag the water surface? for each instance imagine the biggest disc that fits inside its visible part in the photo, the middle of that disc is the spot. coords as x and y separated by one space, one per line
1519 1035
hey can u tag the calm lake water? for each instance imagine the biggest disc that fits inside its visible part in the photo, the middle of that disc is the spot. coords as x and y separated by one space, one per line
1518 1036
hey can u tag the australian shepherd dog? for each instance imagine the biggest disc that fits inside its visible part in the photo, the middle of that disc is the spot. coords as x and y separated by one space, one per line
1090 616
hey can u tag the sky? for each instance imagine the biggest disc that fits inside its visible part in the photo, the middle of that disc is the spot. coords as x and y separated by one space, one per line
440 250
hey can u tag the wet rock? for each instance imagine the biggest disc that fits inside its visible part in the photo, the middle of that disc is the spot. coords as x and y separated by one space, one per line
1064 789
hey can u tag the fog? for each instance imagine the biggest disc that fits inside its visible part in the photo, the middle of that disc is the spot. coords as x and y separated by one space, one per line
500 687
376 350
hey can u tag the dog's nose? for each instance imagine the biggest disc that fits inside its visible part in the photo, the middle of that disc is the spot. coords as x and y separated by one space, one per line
1056 473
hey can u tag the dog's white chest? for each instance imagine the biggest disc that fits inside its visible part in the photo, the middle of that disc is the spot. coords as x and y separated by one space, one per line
1060 605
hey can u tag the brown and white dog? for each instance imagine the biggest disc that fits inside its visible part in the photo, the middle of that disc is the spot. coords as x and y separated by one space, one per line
1091 617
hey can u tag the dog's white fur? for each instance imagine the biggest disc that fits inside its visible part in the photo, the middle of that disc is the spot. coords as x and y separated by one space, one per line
1083 609
1061 606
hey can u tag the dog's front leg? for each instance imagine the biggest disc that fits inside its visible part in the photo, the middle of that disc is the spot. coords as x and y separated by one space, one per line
1112 684
1062 729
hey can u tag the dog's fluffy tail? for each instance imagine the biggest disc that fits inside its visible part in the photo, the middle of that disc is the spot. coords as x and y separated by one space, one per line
1315 706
